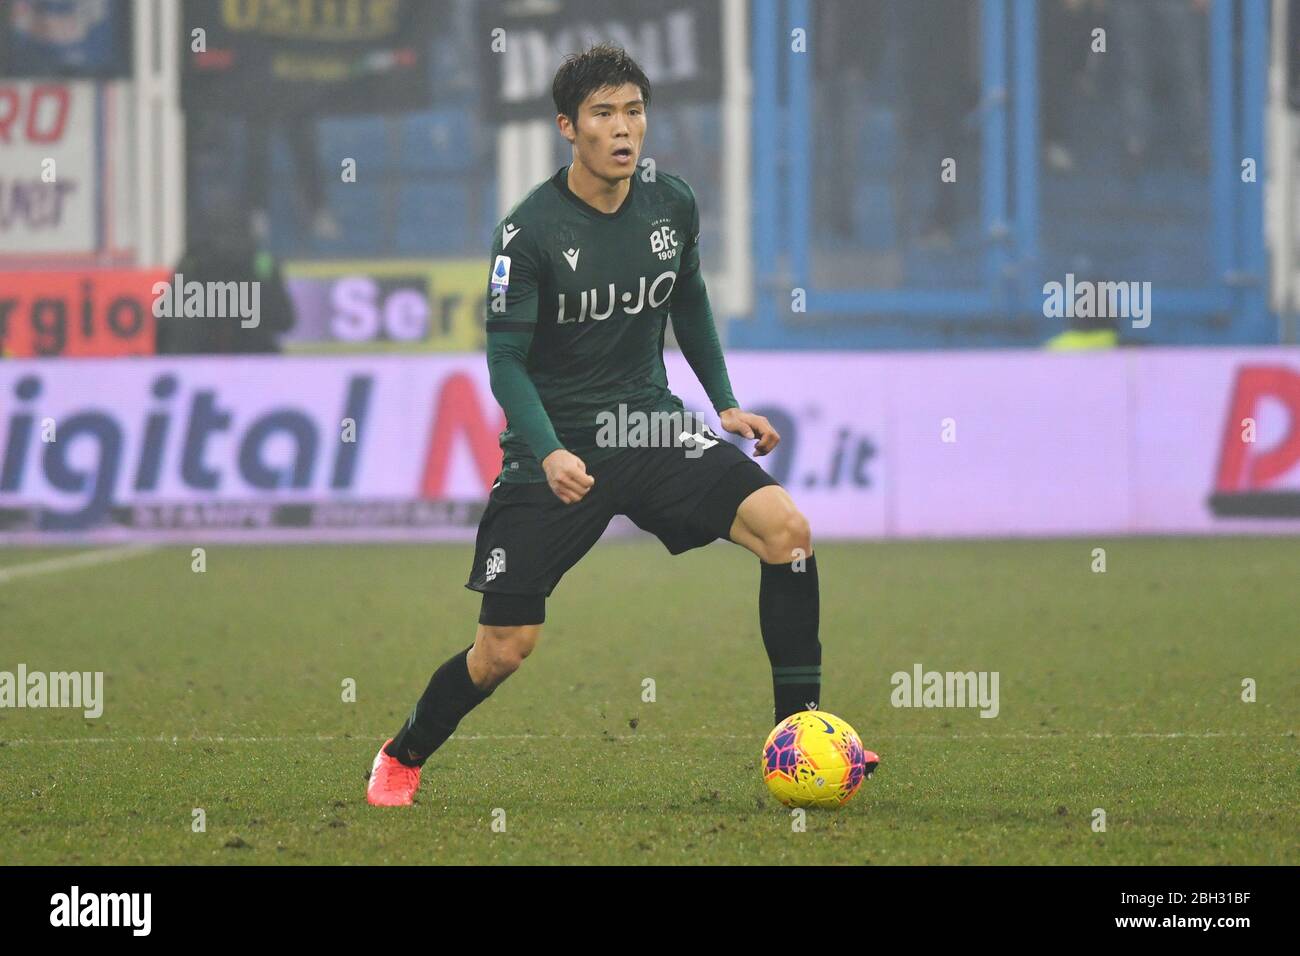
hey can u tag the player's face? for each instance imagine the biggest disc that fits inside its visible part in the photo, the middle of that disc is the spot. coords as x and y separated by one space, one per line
610 131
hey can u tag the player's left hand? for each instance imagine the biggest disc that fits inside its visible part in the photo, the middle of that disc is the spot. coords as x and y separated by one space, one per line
749 425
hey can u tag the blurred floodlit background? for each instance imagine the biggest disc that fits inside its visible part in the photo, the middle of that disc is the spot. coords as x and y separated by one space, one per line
959 250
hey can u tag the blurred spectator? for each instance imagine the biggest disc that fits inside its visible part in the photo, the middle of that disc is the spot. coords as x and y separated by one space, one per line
1065 35
1161 40
941 88
300 132
1085 335
848 41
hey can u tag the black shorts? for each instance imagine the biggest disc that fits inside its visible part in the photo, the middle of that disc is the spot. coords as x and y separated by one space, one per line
528 537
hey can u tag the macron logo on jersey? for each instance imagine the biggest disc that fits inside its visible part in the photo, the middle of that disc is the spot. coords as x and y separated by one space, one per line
501 274
508 232
571 257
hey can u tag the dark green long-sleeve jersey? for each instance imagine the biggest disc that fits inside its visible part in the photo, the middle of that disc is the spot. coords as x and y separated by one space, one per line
577 304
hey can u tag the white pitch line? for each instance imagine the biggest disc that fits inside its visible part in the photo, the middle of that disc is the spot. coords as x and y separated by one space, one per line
84 559
300 738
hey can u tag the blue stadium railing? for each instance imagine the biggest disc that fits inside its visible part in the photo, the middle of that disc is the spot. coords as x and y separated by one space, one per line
1229 308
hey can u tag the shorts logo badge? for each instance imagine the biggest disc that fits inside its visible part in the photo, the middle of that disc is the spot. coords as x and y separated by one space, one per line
496 563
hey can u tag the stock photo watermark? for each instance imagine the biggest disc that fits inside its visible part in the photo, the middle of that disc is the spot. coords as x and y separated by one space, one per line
636 429
179 299
76 690
1085 299
959 689
75 908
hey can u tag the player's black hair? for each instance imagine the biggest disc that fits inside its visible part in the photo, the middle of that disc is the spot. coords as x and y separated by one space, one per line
582 74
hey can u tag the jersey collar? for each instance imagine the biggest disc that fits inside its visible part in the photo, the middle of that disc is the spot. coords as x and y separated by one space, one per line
561 182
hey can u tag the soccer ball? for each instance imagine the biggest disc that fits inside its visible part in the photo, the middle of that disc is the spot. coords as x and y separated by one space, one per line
815 759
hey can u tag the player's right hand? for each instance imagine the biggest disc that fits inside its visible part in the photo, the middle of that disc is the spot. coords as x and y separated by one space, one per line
567 476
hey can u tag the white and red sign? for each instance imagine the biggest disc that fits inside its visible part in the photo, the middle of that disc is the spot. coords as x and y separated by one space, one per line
49 187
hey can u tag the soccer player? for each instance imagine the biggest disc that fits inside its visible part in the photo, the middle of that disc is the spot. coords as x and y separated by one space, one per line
586 272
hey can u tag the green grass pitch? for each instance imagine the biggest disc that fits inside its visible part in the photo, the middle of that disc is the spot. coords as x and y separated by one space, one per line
1120 691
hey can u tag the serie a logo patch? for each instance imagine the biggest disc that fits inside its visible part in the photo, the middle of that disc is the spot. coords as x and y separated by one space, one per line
501 274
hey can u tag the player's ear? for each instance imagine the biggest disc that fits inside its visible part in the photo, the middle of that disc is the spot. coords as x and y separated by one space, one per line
565 126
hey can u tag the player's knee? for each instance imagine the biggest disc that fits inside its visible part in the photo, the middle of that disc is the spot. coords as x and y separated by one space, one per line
505 648
789 538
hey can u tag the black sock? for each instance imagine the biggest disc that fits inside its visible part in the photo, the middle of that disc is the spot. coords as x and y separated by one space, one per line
449 697
788 616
